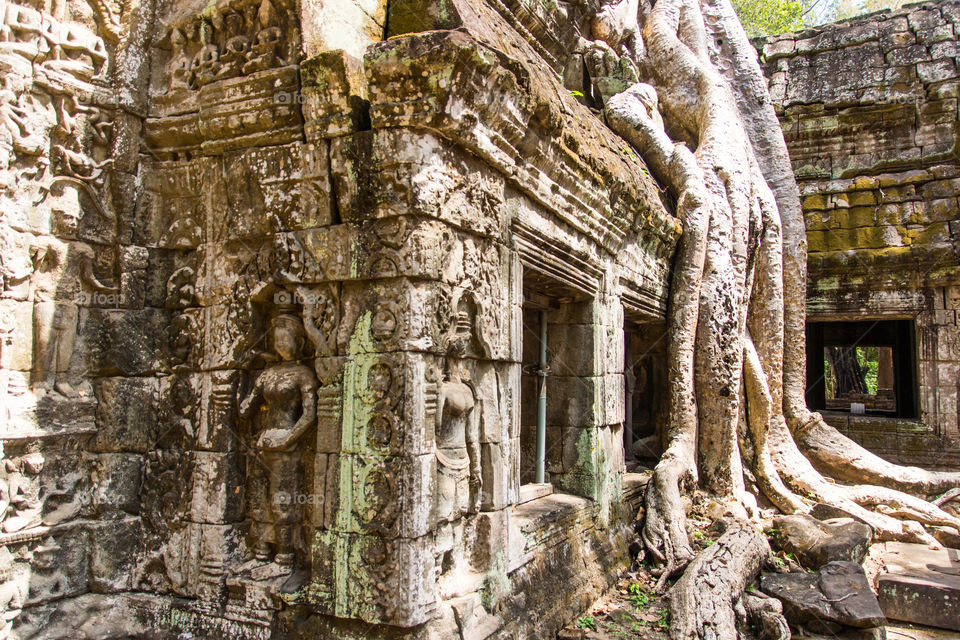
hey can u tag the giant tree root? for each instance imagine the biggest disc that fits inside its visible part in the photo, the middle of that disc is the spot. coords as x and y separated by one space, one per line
736 315
835 454
704 602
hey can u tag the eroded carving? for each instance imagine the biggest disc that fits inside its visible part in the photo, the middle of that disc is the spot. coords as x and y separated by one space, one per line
321 317
459 481
282 406
20 499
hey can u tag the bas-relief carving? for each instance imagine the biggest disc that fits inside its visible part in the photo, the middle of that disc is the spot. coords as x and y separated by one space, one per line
951 297
173 204
51 42
20 493
459 482
7 332
32 505
55 323
214 317
216 77
232 43
57 113
281 406
459 489
55 319
14 587
165 499
49 282
47 582
321 320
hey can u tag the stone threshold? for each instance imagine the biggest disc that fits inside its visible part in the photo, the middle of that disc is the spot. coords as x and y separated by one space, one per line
920 585
540 523
533 491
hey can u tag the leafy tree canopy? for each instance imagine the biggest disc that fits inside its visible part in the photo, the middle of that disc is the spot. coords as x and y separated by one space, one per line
851 8
771 17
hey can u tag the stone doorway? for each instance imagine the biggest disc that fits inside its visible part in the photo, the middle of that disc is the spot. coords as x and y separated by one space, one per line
863 368
559 363
645 399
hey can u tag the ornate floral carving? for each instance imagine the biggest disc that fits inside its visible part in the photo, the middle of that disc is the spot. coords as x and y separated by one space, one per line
321 317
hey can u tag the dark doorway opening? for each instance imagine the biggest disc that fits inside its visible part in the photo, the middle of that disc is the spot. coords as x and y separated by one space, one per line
645 384
863 367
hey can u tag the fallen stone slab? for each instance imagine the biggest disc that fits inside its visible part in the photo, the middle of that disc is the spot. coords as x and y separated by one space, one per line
899 630
947 536
837 594
846 633
822 511
815 542
920 584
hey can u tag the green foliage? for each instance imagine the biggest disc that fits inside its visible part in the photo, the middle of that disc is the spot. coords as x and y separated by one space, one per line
586 622
830 378
845 9
770 17
640 599
869 358
664 622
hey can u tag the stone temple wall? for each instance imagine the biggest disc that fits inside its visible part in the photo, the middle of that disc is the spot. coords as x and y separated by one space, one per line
869 113
261 319
80 326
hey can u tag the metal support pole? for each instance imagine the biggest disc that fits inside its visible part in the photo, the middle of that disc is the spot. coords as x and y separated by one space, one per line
542 401
630 380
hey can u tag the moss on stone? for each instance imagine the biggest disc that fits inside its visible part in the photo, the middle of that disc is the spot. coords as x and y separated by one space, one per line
933 233
815 202
862 198
857 217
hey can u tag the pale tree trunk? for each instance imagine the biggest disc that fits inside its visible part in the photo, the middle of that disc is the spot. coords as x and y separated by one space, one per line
736 317
710 596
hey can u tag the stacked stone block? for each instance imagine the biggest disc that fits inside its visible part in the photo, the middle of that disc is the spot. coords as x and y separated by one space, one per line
869 113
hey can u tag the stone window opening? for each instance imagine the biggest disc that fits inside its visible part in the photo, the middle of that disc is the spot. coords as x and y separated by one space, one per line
863 368
645 378
557 385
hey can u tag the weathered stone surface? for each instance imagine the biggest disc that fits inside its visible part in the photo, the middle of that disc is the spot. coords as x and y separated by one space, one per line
815 543
267 279
114 547
920 584
838 593
873 145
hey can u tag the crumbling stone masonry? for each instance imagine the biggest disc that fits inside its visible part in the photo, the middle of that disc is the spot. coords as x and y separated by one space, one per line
264 275
274 275
869 112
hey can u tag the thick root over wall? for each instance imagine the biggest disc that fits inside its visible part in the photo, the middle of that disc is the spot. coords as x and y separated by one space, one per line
738 424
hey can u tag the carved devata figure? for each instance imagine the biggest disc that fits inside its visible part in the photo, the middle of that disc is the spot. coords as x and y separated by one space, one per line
282 407
457 434
21 505
54 322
